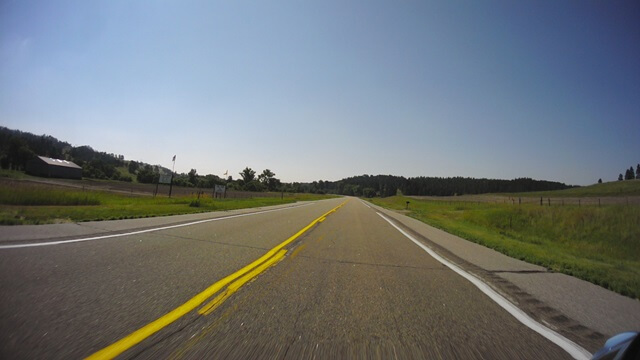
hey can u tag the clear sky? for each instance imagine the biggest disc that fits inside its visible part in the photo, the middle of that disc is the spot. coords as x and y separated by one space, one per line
331 89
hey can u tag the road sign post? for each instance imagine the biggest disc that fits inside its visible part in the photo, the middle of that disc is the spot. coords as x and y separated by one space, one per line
164 179
219 189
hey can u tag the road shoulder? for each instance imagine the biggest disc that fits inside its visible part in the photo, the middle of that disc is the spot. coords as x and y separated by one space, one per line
582 311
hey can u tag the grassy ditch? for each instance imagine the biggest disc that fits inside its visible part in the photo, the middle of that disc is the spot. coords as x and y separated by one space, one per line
26 203
597 244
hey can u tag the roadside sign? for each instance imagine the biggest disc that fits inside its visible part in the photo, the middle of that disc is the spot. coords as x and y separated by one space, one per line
165 179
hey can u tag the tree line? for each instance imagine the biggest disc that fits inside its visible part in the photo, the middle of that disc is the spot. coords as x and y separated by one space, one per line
389 185
17 148
629 174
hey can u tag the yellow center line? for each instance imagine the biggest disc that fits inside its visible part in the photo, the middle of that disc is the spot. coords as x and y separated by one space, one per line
218 300
144 332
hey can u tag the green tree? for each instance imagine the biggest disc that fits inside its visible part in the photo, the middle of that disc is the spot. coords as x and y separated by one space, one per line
254 185
19 153
599 181
369 192
620 178
209 181
248 175
193 177
267 178
146 175
232 185
629 174
638 172
133 167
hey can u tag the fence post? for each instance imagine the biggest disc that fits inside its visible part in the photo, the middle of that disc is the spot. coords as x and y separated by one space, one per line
549 201
540 200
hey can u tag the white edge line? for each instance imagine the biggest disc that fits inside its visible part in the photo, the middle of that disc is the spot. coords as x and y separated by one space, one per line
575 350
49 243
365 204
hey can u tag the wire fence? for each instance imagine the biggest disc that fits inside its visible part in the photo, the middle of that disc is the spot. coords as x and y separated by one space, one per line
542 201
138 189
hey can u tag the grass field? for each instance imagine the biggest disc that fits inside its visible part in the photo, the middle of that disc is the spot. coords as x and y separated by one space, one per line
29 203
597 244
12 174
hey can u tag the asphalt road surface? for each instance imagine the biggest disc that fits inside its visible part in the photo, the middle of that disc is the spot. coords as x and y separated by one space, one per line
351 286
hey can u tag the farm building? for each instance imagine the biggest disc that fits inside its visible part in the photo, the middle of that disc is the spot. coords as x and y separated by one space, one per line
55 168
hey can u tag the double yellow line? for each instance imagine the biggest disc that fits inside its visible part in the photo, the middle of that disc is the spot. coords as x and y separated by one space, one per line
234 282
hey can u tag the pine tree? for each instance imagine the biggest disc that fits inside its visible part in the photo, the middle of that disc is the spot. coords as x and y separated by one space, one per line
620 178
629 174
638 172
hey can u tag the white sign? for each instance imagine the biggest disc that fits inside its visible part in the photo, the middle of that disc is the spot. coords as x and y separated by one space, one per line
165 179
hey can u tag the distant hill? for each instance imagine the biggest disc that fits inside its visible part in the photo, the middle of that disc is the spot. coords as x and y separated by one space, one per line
17 147
613 188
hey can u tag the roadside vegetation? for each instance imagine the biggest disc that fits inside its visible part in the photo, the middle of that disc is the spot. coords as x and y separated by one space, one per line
28 203
12 174
600 244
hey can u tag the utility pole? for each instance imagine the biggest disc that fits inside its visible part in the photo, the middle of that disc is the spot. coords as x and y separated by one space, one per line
172 170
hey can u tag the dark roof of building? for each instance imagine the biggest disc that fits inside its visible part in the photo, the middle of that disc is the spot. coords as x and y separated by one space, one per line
58 162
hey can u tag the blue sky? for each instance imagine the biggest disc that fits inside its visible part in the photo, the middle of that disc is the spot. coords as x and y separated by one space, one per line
331 89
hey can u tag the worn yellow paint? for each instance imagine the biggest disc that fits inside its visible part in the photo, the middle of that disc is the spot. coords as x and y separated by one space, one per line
296 251
144 332
220 298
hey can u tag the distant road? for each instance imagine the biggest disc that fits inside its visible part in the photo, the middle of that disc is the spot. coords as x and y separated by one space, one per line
352 285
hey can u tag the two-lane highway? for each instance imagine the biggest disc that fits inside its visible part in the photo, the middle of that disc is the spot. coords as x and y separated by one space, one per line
352 285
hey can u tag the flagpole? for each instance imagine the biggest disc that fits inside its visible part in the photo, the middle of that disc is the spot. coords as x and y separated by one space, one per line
172 171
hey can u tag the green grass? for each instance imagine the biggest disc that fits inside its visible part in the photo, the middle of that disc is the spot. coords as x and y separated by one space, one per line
124 171
597 244
12 174
25 203
33 195
614 188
